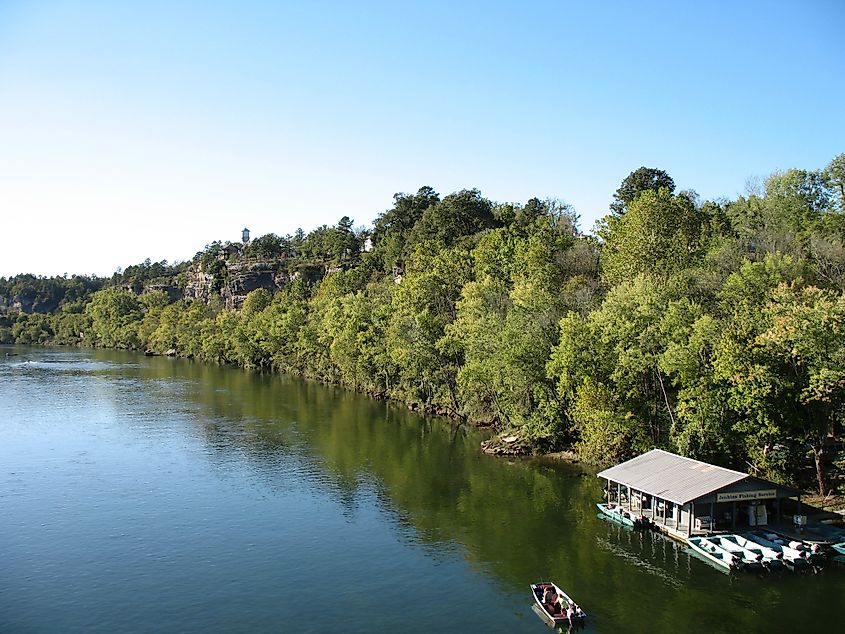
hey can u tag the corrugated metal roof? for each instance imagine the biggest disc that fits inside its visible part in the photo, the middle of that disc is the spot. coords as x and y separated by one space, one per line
672 477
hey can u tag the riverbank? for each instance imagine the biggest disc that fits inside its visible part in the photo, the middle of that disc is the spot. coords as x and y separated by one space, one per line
830 503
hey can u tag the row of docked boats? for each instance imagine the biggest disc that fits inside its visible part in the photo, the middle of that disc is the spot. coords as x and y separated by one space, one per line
756 551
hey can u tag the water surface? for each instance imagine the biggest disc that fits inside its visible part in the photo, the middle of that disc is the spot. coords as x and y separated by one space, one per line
151 494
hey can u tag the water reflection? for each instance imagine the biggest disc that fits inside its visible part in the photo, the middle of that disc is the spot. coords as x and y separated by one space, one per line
287 481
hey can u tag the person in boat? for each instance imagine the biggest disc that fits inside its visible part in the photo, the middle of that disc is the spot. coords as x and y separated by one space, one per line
573 611
550 599
563 604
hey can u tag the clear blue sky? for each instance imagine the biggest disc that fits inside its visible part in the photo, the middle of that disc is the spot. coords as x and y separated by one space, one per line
148 129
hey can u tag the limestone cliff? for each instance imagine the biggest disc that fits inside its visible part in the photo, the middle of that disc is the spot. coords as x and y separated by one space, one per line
200 285
233 279
245 277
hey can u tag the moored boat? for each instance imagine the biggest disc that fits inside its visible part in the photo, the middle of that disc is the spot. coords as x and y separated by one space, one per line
714 553
794 558
768 558
840 548
749 561
815 554
555 605
623 515
813 551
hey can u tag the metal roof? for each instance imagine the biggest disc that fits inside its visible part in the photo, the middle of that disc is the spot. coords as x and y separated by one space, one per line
672 477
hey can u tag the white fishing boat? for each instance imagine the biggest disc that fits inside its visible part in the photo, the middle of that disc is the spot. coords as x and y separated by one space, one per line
750 561
768 558
794 558
714 553
555 605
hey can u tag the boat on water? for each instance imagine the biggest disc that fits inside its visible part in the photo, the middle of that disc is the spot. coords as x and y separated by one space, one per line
765 557
812 551
794 558
555 605
714 553
623 515
840 548
749 560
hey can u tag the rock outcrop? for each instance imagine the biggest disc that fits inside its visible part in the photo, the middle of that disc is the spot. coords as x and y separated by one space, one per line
174 293
233 280
199 284
243 278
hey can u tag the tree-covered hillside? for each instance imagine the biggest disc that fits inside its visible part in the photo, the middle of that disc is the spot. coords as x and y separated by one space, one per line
715 329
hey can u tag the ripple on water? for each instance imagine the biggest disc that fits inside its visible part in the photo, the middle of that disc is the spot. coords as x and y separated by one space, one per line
640 562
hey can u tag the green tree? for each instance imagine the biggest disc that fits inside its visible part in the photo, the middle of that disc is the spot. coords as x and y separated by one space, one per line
392 228
32 329
834 176
616 351
742 369
282 320
805 346
660 234
358 325
423 305
636 183
343 244
461 214
115 316
266 247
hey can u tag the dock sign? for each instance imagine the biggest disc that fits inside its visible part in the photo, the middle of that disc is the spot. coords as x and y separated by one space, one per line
742 496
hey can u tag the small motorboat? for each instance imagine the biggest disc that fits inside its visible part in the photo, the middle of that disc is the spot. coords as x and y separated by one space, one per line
768 558
840 548
714 553
814 552
751 560
794 558
555 605
623 515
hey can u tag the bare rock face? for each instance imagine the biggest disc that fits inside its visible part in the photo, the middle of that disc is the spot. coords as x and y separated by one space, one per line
308 273
243 278
174 293
233 280
29 304
199 284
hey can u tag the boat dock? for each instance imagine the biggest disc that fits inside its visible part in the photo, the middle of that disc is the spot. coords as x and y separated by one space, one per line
682 497
730 518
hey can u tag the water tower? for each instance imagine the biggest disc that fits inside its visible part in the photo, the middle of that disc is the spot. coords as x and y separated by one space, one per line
245 236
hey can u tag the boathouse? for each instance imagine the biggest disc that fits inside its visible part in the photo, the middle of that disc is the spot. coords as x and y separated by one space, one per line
682 496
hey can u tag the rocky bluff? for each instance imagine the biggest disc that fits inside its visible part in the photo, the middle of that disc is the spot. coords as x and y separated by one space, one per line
233 280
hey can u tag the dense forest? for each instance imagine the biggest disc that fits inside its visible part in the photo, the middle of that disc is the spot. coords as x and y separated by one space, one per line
715 329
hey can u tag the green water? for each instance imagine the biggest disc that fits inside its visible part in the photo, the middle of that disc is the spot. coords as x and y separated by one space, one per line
159 495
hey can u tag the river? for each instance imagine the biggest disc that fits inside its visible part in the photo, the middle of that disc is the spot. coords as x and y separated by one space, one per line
161 495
